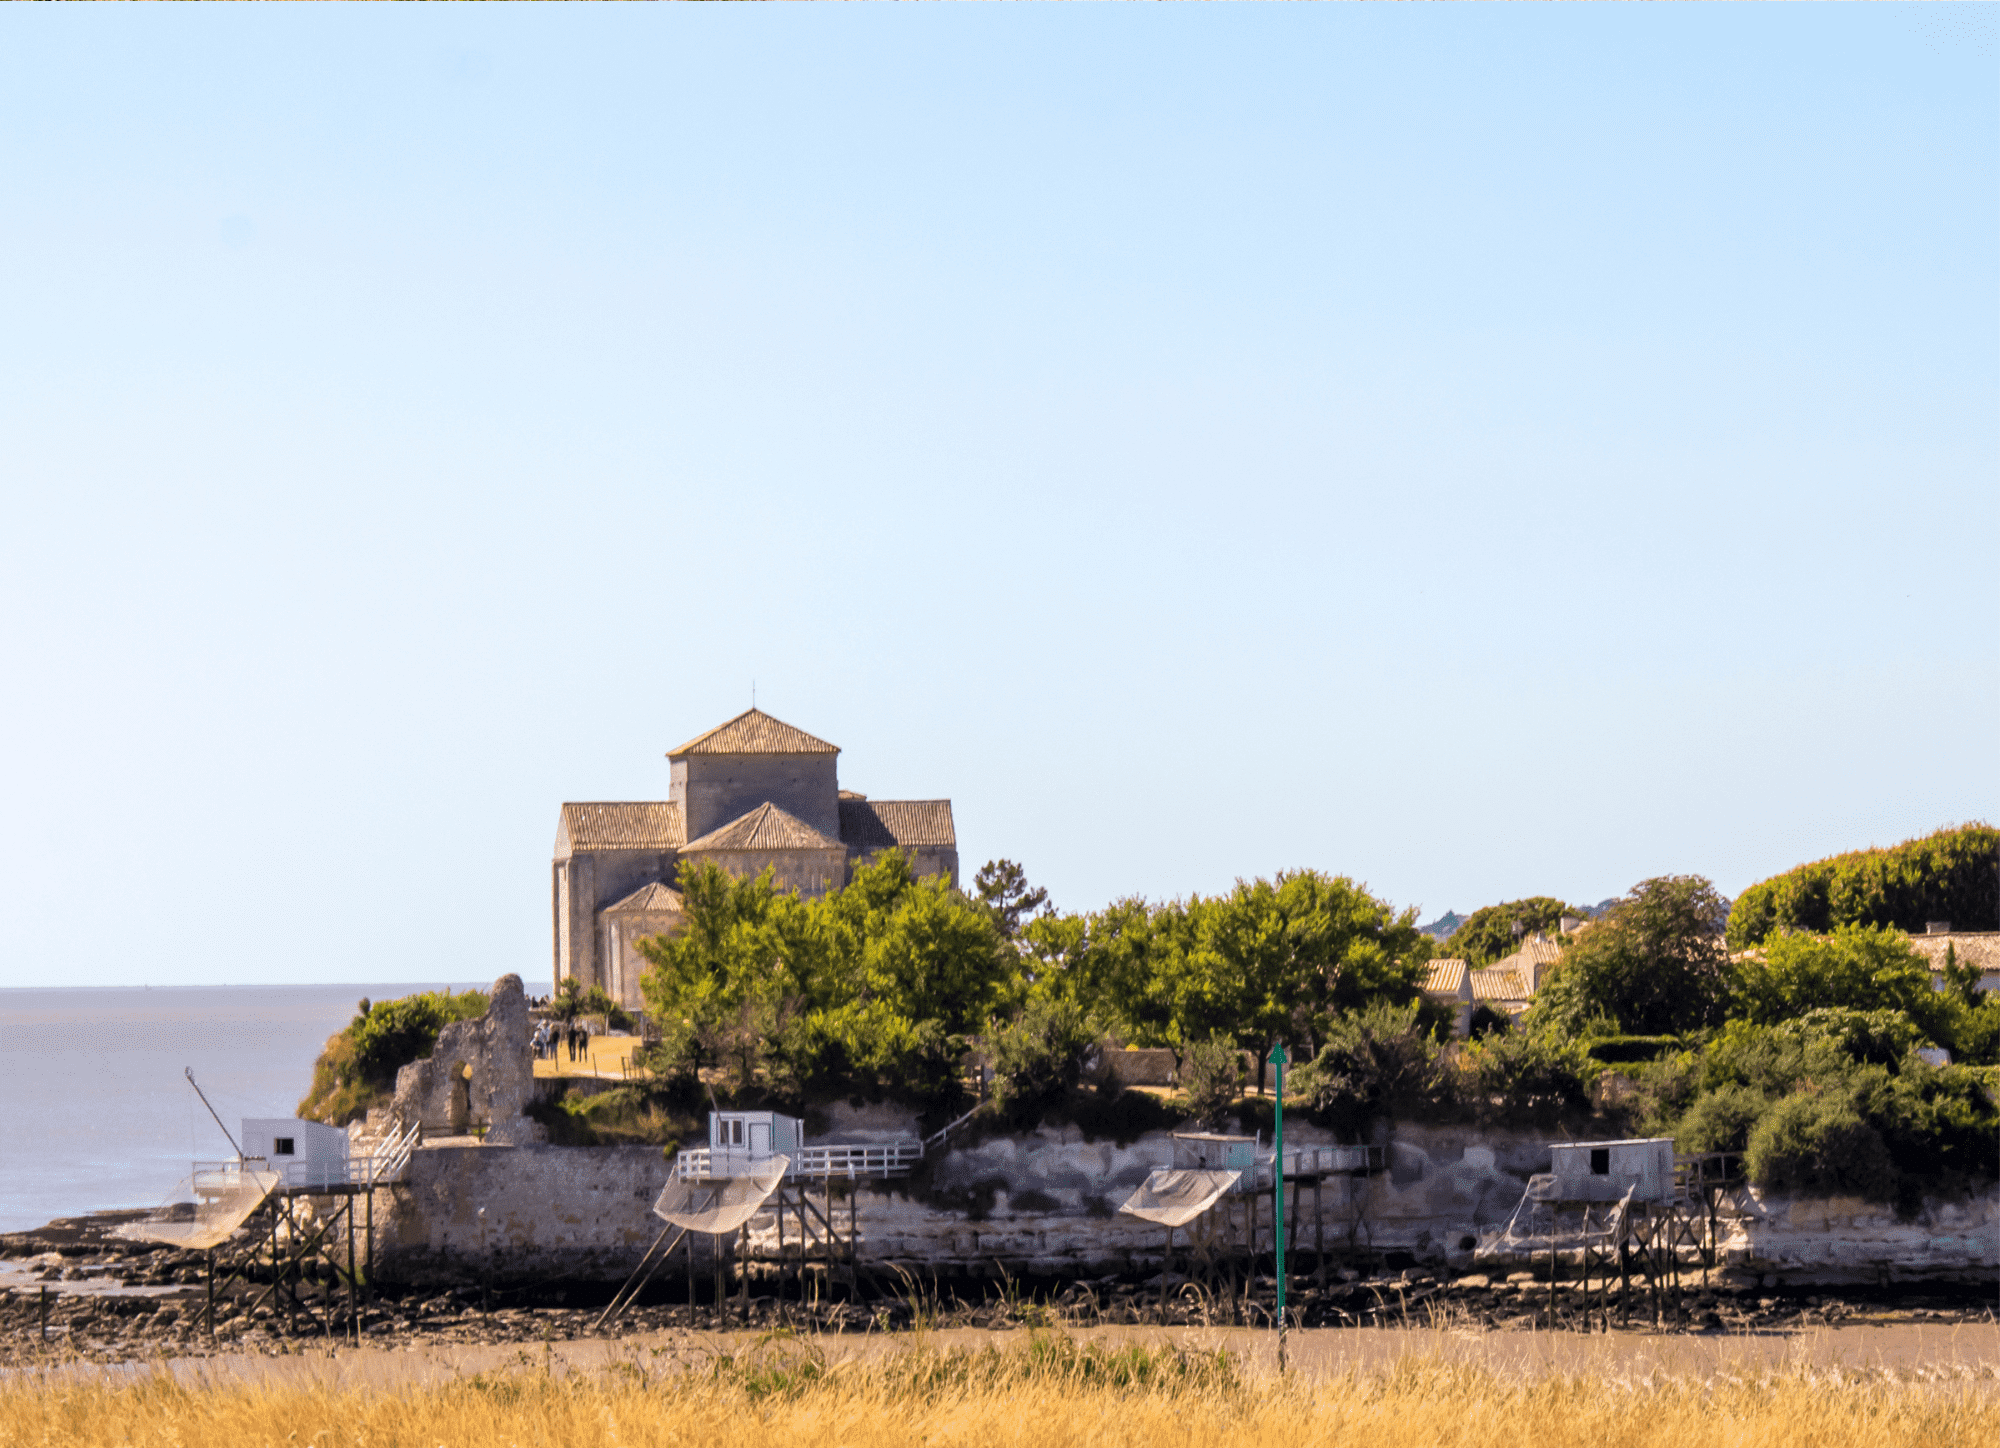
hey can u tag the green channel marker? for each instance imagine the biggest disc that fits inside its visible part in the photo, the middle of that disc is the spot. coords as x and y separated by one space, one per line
1280 1060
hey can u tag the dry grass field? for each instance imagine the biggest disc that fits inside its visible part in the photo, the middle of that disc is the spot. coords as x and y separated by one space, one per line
1044 1391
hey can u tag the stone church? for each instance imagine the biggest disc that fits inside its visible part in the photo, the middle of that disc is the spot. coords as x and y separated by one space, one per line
751 793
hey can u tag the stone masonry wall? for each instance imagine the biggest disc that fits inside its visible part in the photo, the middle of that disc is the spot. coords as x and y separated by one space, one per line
1046 1204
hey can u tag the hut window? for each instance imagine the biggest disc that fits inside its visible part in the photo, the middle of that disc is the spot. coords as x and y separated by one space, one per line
1600 1161
736 1133
282 1146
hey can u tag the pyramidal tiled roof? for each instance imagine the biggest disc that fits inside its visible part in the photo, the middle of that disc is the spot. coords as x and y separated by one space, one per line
647 899
765 828
613 825
754 732
878 824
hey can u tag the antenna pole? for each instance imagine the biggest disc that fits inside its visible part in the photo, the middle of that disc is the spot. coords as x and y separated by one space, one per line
211 1111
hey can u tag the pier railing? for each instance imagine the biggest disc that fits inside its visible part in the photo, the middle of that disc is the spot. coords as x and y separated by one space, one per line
861 1159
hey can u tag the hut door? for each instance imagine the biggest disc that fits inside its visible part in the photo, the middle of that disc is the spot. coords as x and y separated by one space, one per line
760 1138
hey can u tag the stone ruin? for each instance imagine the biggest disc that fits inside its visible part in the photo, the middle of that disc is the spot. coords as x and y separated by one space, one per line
480 1074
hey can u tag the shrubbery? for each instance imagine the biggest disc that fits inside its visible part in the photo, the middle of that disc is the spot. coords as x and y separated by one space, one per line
1949 875
357 1068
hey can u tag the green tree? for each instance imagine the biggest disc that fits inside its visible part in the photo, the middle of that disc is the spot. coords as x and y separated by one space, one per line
1379 1063
871 989
1002 887
1651 965
1495 931
1858 967
1951 875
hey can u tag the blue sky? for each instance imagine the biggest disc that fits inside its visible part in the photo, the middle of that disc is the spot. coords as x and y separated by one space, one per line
1486 452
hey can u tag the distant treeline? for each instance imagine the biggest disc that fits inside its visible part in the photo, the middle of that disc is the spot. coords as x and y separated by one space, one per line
1953 875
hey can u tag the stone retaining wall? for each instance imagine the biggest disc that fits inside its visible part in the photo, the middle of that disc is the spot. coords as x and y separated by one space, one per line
1046 1204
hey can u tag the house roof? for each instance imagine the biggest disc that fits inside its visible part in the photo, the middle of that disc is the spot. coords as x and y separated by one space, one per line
754 732
1497 984
650 899
1972 947
1445 978
765 828
878 824
616 825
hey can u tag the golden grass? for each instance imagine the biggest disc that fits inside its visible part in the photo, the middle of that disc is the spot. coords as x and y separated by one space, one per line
1049 1392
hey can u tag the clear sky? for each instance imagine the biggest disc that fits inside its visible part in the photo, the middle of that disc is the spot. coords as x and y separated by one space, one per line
1485 452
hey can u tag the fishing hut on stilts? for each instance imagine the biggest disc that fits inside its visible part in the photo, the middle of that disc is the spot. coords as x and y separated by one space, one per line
291 1215
1627 1221
1221 1193
756 1162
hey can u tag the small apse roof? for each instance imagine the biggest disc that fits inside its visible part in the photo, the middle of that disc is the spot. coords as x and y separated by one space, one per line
1445 977
765 828
754 732
648 900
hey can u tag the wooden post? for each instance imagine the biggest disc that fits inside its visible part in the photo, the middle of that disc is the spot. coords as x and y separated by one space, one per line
1554 1219
371 1242
854 1240
743 1270
1319 1232
780 1290
828 1224
211 1292
353 1286
1166 1266
690 1249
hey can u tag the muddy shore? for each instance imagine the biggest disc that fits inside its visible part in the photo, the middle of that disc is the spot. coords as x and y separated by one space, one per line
70 1291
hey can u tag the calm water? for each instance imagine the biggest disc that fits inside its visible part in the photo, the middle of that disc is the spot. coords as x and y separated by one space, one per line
94 1110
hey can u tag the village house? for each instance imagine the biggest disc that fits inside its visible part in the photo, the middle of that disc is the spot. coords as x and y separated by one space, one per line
751 794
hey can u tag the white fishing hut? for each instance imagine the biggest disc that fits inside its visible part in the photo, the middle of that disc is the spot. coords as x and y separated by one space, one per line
303 1153
1602 1171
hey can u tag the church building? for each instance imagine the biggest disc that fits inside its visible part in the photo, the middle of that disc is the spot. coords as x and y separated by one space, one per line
749 794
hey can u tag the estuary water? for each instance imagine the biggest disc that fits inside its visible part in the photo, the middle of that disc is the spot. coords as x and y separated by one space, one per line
95 1112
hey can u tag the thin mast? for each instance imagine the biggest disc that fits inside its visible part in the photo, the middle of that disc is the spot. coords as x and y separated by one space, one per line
211 1111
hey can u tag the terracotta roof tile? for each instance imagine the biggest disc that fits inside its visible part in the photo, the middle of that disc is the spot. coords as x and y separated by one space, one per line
648 900
639 825
765 828
1445 978
754 732
1973 947
878 824
1495 984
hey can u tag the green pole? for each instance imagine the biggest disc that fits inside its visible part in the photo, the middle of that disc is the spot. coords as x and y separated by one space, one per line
1280 1060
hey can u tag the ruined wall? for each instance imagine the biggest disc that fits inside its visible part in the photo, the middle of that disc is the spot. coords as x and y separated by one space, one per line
480 1074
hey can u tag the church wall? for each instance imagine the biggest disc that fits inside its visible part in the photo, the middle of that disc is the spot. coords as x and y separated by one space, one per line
715 789
811 872
595 879
924 862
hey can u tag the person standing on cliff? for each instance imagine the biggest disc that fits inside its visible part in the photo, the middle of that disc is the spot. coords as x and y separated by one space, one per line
583 1043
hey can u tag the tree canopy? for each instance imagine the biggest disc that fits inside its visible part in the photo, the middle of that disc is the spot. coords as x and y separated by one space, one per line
870 990
1652 964
1951 875
1488 934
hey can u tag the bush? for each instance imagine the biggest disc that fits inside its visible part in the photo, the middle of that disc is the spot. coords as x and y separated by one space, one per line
1212 1077
1948 875
1038 1057
1539 1075
1379 1063
1624 1050
1816 1144
357 1067
1720 1121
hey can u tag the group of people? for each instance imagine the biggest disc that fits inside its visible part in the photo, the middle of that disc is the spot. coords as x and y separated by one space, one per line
573 1036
